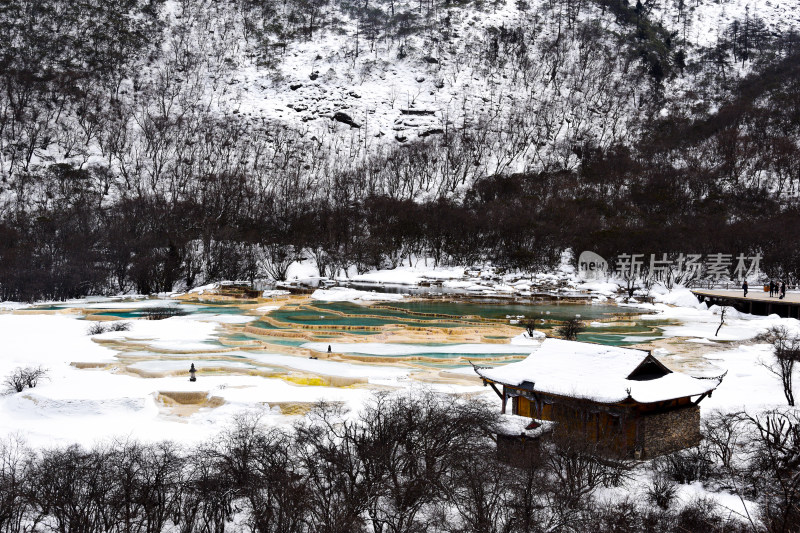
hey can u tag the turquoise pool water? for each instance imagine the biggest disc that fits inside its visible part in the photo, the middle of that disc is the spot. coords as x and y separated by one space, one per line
323 314
547 311
376 318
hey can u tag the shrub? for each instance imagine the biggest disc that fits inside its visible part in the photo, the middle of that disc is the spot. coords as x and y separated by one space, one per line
686 466
15 382
97 328
530 326
702 514
662 491
569 330
33 375
21 378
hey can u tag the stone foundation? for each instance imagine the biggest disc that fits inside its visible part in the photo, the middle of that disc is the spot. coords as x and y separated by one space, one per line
517 450
664 433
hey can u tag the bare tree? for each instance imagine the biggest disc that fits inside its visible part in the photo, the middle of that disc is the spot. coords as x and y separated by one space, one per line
569 329
530 326
722 314
479 492
775 463
15 382
21 378
410 444
723 433
275 259
259 466
786 353
339 486
15 509
32 375
579 466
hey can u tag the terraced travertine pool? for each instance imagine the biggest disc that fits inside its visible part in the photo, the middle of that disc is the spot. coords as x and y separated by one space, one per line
429 333
140 308
330 319
489 310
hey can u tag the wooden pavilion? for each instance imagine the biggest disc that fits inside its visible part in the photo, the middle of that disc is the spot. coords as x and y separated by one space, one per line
623 397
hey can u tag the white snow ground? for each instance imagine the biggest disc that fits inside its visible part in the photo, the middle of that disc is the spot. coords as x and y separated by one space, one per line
90 406
344 294
87 405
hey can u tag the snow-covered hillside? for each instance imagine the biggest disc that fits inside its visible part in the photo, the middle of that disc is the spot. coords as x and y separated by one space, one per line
158 143
528 81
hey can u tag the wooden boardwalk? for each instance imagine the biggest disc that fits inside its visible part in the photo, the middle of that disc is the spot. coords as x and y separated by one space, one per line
757 301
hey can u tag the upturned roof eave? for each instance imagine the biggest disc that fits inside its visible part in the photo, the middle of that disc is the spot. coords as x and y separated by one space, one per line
626 401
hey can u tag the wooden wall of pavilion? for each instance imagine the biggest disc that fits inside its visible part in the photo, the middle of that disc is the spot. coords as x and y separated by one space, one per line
628 426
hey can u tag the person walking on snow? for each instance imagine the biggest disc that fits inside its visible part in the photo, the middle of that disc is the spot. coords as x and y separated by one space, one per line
744 288
771 288
782 290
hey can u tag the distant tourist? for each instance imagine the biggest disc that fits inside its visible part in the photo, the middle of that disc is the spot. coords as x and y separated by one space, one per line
771 288
192 372
744 288
783 290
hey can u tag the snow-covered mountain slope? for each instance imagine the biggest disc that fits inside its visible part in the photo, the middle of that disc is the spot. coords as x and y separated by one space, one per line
706 23
503 85
445 75
150 142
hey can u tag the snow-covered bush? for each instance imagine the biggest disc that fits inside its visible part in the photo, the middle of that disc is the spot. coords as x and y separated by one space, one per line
22 378
686 466
96 329
662 491
100 327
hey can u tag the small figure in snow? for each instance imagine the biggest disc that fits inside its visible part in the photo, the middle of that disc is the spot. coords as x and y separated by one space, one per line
782 290
771 288
192 371
744 288
329 348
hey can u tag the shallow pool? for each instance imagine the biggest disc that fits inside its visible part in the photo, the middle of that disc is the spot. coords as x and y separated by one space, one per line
506 311
414 323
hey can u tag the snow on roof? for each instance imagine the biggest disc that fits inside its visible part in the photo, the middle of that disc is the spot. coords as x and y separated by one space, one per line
594 372
515 425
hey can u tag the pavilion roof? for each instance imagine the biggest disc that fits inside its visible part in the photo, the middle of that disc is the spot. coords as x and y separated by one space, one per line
604 374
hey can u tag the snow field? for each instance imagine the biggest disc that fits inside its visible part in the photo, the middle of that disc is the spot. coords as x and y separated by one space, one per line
89 404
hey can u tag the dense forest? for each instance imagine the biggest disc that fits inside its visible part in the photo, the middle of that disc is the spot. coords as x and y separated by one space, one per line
405 463
128 162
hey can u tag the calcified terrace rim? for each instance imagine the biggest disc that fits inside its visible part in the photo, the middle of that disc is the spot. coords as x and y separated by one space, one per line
397 329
